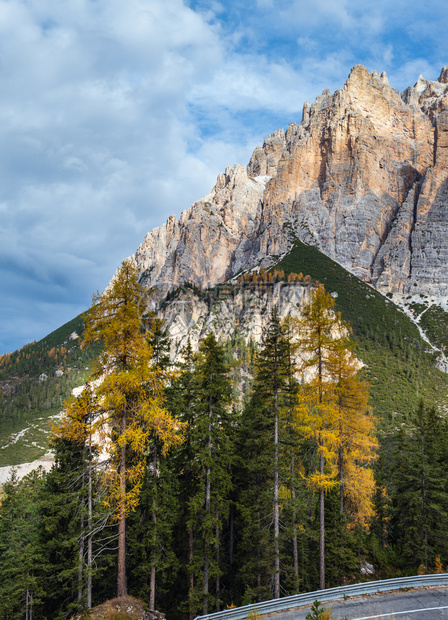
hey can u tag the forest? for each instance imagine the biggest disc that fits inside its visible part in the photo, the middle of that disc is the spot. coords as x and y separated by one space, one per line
170 486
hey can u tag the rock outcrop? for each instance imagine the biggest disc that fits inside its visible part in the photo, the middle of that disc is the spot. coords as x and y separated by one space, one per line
241 309
363 177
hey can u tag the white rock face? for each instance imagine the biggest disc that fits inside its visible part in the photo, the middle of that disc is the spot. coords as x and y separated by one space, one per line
363 177
244 310
46 462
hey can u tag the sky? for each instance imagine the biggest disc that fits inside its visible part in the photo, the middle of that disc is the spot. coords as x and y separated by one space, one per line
115 115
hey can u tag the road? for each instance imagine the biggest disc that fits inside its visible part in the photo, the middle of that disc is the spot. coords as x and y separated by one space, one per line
426 604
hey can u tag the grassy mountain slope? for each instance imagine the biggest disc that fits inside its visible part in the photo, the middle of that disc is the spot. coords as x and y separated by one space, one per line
399 363
34 382
401 367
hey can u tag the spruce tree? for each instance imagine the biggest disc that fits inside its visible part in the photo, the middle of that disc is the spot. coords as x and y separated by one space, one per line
181 400
261 452
22 587
419 489
62 531
212 443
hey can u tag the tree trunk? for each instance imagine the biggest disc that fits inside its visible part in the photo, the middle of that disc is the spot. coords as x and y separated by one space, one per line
207 510
217 586
276 507
295 552
152 596
341 481
82 538
80 560
121 582
191 576
322 528
89 525
425 508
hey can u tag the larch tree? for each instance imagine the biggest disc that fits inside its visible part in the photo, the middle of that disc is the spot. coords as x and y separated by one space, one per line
332 410
130 391
357 444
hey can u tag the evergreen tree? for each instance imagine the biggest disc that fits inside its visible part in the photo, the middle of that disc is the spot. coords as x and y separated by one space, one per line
62 530
211 440
419 490
181 399
260 454
21 584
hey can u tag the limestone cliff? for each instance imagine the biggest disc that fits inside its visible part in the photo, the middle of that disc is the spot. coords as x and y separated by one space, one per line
242 310
363 177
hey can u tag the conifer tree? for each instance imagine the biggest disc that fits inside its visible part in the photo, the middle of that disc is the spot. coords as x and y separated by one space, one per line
419 490
62 529
332 411
181 399
21 584
261 450
211 437
131 390
357 445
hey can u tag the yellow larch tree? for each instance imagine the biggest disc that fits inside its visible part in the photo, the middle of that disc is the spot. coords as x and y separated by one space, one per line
333 410
358 446
129 394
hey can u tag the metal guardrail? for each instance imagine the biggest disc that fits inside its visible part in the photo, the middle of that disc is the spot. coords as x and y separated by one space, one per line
332 594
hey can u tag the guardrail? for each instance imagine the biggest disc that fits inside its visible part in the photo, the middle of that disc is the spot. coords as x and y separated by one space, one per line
332 594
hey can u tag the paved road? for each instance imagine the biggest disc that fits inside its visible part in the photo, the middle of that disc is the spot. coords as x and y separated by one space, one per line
427 604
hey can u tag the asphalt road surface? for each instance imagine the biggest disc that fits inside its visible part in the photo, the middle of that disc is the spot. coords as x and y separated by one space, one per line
426 604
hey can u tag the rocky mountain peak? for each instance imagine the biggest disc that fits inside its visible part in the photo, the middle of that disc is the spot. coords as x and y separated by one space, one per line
362 177
443 77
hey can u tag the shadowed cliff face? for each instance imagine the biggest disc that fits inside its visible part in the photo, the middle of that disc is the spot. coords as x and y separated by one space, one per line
363 178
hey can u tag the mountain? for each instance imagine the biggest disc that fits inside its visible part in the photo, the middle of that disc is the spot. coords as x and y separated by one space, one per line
355 196
363 178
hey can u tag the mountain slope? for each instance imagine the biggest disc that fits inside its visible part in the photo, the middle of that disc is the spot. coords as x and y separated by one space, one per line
34 382
399 363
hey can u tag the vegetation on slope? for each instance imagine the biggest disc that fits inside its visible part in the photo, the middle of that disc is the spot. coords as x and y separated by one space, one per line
399 364
34 382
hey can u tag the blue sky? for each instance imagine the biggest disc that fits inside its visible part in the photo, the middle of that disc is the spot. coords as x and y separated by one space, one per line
114 115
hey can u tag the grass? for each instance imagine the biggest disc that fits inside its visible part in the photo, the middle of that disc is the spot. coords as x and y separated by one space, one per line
123 608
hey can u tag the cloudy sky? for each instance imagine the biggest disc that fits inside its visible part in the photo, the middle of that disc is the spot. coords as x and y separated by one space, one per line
114 114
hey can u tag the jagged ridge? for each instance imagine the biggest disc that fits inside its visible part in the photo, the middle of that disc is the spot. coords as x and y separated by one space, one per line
363 178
